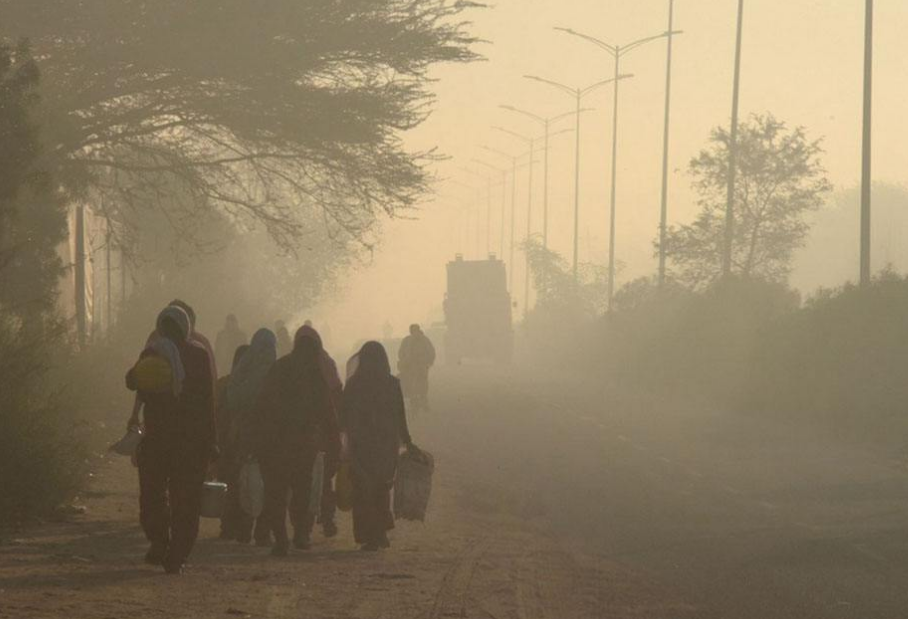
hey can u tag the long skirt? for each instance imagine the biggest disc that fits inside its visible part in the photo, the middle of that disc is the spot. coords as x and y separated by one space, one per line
287 474
372 517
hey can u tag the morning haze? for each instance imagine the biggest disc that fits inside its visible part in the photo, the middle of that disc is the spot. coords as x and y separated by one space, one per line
292 324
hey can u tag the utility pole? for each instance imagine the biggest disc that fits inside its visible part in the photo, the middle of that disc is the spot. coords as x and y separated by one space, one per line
663 210
733 151
81 318
866 177
109 317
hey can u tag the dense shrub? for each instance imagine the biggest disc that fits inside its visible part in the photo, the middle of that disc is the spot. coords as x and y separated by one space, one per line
677 342
41 456
842 357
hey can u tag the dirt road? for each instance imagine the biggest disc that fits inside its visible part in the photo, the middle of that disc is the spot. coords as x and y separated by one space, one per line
746 518
488 549
552 500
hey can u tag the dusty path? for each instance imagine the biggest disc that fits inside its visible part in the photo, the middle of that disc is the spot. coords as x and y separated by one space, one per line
746 518
487 550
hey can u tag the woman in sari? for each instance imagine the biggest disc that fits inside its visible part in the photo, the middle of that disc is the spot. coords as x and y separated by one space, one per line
374 420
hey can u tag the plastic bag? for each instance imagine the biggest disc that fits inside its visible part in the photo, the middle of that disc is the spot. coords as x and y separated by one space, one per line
318 484
251 488
129 444
343 486
413 485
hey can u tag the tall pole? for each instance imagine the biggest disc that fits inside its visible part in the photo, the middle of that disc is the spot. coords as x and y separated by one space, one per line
109 317
80 279
513 210
489 216
545 190
611 230
504 200
663 212
478 228
733 151
577 186
526 282
866 180
122 281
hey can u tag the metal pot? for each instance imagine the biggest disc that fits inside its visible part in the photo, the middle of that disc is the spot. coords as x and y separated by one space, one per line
214 498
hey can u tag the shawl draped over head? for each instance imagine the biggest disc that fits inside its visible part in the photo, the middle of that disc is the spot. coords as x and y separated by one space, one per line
163 347
373 416
326 364
373 364
246 380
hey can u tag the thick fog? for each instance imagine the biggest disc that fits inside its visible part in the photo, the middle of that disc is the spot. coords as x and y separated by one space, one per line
802 61
314 259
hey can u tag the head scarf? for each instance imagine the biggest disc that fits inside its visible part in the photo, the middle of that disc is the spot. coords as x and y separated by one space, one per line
163 347
326 364
179 316
372 363
246 380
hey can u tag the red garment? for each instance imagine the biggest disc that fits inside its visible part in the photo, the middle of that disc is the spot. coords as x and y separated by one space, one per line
202 341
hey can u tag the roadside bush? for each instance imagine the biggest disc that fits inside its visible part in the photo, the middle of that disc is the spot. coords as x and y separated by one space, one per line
41 458
698 345
843 357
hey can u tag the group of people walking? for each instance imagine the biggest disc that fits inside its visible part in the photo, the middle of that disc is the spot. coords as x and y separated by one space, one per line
279 408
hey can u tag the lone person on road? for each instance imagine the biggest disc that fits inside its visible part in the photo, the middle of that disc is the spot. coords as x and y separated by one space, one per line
416 356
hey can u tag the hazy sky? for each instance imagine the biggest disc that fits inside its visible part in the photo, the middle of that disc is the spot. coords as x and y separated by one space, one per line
802 61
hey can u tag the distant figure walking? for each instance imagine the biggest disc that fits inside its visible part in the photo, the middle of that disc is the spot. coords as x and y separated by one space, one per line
293 411
228 340
179 440
415 357
284 343
241 398
373 417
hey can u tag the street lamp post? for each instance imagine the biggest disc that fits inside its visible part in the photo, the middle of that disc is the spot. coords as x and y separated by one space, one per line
513 159
733 150
866 178
473 190
578 94
531 141
663 206
504 177
526 284
488 178
546 122
618 52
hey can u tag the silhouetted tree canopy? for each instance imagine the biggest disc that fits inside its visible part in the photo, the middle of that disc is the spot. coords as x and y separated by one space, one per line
286 111
780 179
32 217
